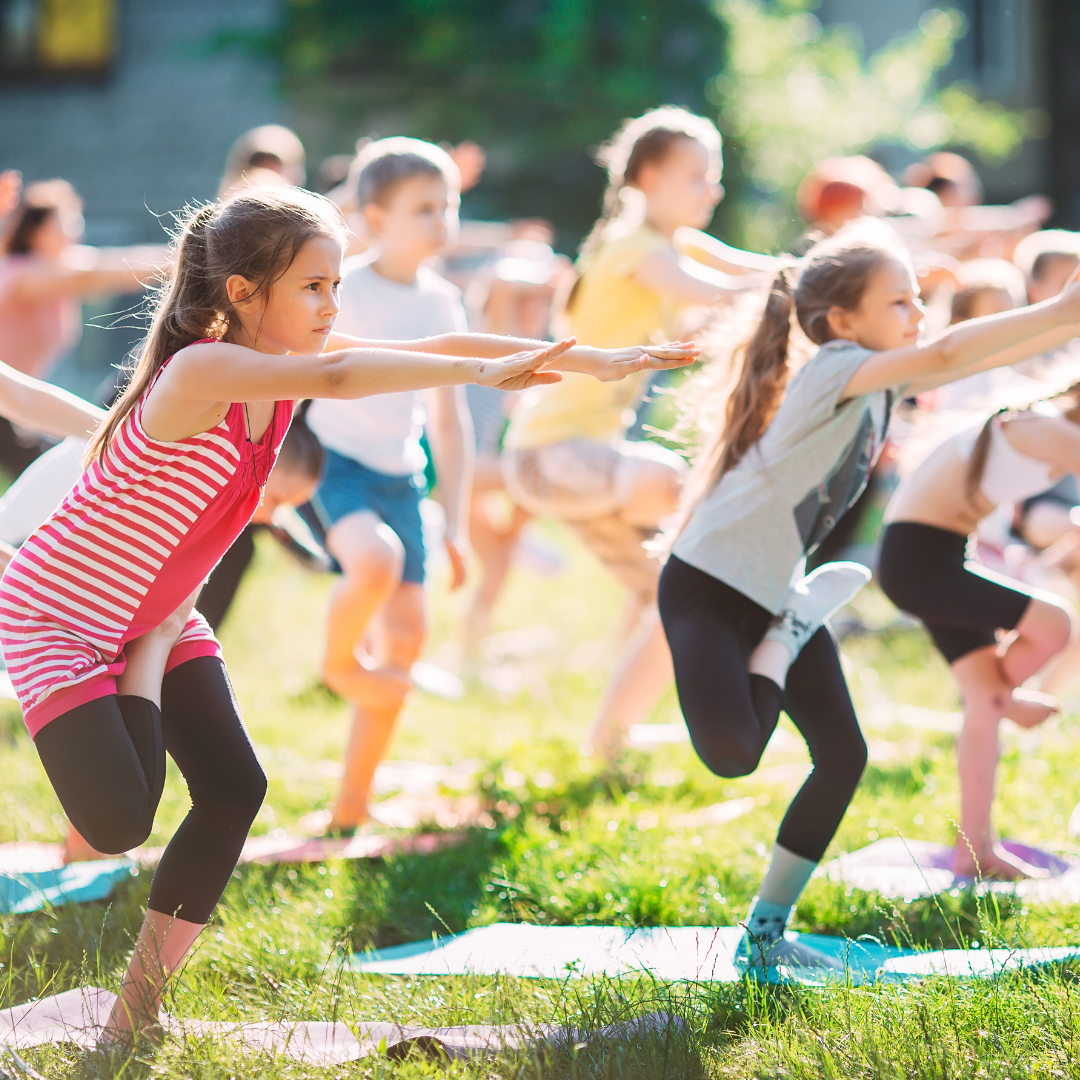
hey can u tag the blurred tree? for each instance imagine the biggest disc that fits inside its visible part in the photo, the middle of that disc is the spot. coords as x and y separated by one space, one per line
793 92
538 83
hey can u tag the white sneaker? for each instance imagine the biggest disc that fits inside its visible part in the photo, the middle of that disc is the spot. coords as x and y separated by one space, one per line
810 602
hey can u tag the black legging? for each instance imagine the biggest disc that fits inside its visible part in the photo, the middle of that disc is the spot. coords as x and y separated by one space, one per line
106 760
712 629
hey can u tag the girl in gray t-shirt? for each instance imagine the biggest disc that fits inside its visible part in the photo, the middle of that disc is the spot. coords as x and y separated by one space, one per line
746 631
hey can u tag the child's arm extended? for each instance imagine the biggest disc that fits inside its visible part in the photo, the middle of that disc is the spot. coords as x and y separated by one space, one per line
708 250
973 346
607 365
37 405
221 372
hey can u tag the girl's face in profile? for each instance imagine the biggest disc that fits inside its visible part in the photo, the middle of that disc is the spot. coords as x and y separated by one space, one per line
684 187
890 313
302 305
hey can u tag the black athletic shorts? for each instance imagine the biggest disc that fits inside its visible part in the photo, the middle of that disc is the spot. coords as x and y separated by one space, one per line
924 571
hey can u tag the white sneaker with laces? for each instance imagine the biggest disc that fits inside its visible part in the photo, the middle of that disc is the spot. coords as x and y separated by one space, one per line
812 600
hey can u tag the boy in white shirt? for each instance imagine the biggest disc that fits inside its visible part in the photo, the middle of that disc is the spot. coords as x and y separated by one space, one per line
372 482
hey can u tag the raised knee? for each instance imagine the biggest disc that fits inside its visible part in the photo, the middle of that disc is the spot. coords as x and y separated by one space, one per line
731 760
116 829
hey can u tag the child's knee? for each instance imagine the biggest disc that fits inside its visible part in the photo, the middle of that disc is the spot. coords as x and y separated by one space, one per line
116 825
378 565
730 758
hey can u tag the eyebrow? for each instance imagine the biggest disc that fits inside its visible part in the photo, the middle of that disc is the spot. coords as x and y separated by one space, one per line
320 277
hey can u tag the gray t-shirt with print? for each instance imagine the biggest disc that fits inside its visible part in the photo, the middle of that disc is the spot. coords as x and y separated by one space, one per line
753 529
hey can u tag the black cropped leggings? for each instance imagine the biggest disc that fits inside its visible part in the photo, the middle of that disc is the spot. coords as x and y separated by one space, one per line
712 629
106 760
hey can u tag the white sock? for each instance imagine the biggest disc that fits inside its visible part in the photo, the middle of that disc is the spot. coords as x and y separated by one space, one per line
786 878
812 600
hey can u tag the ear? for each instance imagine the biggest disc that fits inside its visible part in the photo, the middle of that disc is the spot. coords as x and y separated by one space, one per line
374 217
241 292
840 322
646 178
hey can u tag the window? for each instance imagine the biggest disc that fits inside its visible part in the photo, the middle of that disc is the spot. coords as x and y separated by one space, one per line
56 38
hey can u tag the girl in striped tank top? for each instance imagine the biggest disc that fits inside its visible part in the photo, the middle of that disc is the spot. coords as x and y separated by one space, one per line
112 666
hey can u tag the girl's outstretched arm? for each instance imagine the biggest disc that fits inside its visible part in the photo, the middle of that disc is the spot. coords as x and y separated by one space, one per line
607 365
85 271
720 256
223 372
36 405
975 345
688 281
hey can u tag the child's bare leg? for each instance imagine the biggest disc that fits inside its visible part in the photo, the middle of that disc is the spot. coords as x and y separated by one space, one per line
147 656
1047 627
986 696
401 627
163 942
495 549
371 558
643 673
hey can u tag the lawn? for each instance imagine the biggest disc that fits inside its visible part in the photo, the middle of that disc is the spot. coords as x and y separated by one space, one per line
571 843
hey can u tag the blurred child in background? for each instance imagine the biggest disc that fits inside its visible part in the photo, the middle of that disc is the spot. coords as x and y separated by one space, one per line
567 456
408 193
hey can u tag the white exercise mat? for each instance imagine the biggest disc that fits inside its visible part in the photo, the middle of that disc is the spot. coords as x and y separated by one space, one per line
78 1016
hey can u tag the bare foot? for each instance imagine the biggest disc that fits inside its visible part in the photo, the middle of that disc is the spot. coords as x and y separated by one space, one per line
376 689
996 864
76 849
1029 708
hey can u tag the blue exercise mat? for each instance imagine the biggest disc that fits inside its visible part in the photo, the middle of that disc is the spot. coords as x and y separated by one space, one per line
671 954
72 884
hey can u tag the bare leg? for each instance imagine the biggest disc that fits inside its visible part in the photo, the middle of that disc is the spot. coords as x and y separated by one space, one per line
1048 626
986 697
495 547
146 657
163 942
371 557
401 628
644 670
643 673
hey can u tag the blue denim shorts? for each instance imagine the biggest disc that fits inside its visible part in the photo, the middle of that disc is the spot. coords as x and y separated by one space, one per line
347 487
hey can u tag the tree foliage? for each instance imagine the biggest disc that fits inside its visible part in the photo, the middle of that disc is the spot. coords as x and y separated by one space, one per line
794 92
540 83
537 82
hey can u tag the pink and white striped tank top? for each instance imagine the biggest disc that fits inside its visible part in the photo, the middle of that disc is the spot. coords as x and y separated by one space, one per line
138 533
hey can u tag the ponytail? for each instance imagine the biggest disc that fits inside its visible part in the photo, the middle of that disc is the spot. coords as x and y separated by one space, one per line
256 234
750 405
763 378
980 453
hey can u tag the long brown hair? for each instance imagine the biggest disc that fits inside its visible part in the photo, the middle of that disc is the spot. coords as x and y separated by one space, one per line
645 140
834 273
256 233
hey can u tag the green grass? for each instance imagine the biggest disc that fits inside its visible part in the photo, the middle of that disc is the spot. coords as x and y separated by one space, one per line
573 844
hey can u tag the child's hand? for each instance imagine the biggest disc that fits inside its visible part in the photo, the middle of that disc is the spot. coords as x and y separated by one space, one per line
458 552
1068 299
521 370
614 364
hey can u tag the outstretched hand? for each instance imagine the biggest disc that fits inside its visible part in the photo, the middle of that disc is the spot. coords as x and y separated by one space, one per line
616 364
523 369
1069 297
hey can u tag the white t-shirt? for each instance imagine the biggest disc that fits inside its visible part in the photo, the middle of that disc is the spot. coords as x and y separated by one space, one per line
383 431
